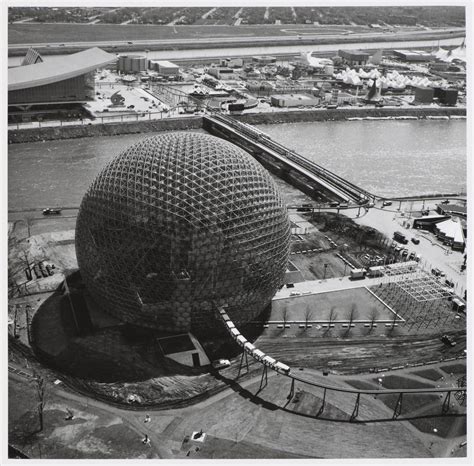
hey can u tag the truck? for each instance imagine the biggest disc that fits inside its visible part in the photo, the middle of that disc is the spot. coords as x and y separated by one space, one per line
400 237
357 274
376 271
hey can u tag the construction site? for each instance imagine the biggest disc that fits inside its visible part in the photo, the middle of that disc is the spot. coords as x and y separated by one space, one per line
367 350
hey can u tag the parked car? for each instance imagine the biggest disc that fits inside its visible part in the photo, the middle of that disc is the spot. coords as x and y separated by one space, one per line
386 203
447 340
446 201
449 283
415 241
438 273
220 363
50 211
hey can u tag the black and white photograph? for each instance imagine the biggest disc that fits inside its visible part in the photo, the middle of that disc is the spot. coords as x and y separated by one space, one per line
237 232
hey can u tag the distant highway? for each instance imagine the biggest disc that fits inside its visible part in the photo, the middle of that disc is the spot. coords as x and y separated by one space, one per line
411 35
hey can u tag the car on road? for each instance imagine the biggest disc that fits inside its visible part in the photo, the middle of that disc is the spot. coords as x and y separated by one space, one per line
304 208
334 204
446 201
447 340
220 363
386 203
438 273
425 212
415 241
51 211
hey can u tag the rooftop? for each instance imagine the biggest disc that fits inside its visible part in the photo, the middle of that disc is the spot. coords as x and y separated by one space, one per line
48 72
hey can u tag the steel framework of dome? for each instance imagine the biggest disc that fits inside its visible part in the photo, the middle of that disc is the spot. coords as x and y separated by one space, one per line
178 224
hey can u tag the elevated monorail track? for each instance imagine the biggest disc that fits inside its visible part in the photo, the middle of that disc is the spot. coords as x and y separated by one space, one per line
268 362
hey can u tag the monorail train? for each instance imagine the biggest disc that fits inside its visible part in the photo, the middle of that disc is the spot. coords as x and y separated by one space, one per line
250 349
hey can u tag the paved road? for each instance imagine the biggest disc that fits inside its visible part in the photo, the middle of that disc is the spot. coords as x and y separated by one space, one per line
244 39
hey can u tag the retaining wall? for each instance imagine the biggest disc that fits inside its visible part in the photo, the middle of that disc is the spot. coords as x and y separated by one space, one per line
174 124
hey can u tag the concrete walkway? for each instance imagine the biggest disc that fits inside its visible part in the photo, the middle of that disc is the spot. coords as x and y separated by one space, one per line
335 284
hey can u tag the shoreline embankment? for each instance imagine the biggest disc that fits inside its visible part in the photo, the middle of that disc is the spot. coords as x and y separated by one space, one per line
50 133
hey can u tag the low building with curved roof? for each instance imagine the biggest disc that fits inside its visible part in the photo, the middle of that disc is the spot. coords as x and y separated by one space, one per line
50 82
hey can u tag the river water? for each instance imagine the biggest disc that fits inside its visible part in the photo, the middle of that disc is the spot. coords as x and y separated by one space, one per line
384 157
388 158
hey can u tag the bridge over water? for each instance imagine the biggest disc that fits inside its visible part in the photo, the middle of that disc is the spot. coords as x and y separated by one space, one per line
308 176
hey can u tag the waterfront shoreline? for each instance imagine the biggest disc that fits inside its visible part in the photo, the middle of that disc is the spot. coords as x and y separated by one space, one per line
17 136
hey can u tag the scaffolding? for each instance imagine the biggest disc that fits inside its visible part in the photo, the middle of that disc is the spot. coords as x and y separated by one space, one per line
178 220
423 287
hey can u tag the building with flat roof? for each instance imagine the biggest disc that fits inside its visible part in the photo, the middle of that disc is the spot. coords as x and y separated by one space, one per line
354 57
452 209
293 100
52 83
413 55
164 67
450 232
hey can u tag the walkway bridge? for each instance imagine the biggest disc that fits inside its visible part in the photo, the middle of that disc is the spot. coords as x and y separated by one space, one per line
267 362
280 159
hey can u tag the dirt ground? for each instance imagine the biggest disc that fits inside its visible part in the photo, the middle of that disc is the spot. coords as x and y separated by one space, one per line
257 423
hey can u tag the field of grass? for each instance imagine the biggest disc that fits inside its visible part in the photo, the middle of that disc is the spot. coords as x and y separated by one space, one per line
443 424
430 374
341 303
41 33
459 369
395 381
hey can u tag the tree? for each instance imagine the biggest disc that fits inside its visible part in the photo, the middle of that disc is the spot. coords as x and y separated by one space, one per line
40 392
373 317
332 317
284 315
308 315
394 320
352 315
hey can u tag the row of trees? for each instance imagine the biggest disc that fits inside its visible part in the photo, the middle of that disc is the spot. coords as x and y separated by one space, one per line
333 316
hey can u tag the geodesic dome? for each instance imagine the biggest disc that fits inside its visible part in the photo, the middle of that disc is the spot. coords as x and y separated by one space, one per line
178 224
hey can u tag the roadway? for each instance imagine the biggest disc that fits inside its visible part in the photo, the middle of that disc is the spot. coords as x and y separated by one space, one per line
410 35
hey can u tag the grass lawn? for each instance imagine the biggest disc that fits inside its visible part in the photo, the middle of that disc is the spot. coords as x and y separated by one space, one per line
41 33
411 402
458 369
430 374
442 424
362 385
320 305
395 381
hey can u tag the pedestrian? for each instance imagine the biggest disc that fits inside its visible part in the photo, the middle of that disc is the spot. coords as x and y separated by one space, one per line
147 418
